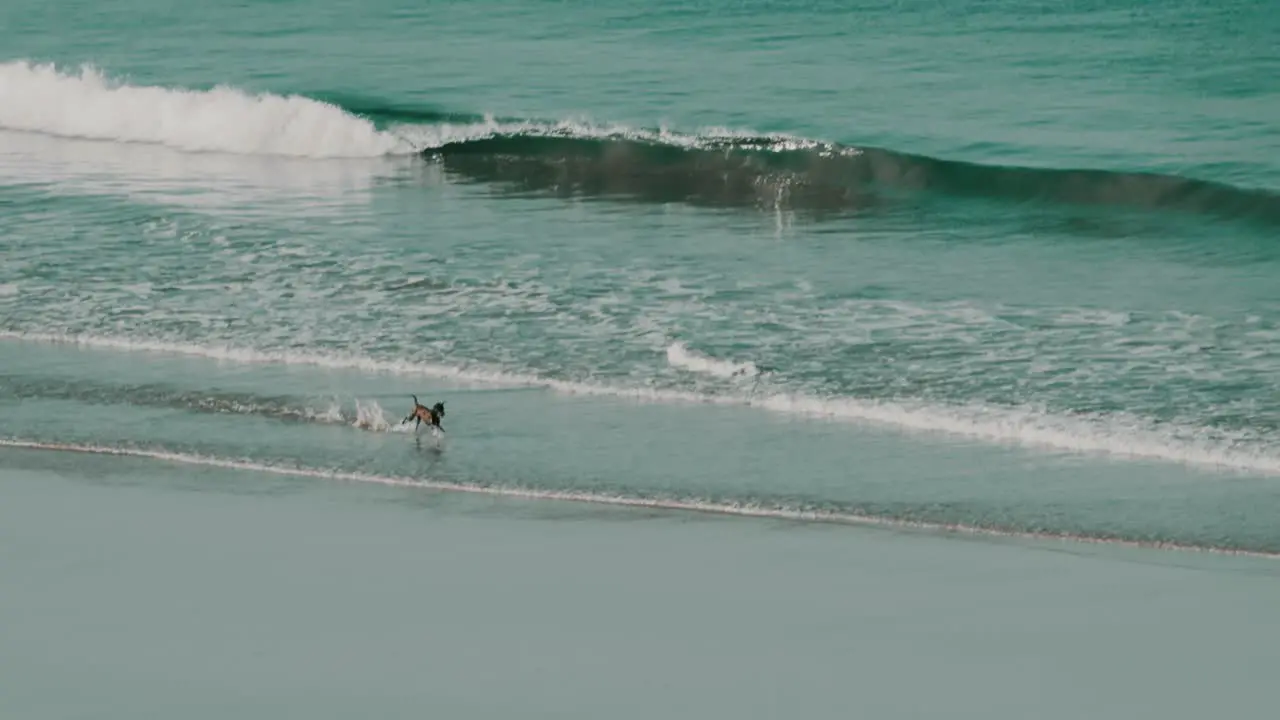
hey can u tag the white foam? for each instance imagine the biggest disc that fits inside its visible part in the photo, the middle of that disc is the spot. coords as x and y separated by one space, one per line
42 98
1113 435
685 504
439 134
680 356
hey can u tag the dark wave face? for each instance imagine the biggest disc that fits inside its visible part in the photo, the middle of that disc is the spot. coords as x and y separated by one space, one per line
810 177
726 174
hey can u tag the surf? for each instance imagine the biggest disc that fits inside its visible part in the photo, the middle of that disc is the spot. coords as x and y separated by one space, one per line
1116 435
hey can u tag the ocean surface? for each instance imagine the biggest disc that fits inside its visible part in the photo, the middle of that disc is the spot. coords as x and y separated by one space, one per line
939 290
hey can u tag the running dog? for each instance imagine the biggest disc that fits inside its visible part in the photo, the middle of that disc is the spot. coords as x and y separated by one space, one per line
423 414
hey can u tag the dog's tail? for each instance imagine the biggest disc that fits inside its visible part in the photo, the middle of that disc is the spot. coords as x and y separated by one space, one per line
415 410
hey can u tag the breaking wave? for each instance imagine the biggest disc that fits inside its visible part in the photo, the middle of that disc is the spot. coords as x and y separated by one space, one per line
87 104
721 169
714 167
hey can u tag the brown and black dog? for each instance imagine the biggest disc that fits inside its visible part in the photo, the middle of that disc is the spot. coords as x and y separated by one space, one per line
423 414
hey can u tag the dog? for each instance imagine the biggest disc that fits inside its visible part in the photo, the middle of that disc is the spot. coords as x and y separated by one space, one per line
423 414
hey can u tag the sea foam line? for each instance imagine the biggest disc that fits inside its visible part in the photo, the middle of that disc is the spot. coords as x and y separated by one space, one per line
1099 435
41 98
707 507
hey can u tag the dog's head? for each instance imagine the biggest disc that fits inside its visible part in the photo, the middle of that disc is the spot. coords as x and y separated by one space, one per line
438 409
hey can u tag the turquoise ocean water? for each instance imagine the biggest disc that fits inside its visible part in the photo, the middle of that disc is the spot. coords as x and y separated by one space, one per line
1002 269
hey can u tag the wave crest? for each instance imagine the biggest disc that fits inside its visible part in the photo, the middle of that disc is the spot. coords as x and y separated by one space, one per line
42 98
